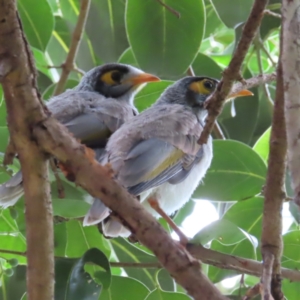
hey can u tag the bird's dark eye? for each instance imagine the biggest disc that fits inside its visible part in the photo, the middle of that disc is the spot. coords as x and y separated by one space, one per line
116 76
208 84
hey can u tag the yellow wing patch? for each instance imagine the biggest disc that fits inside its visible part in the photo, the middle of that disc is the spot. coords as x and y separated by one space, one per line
173 158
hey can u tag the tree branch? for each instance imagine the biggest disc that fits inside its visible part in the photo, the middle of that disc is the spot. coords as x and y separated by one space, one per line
271 240
232 72
68 65
291 69
231 262
24 106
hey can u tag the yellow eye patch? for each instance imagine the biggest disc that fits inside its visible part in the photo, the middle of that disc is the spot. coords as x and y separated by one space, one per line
204 87
111 77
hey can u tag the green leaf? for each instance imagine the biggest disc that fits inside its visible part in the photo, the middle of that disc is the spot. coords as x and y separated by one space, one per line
127 57
49 91
241 127
41 62
130 253
148 95
159 294
294 210
60 239
253 209
38 22
234 12
236 170
164 44
291 290
73 205
165 281
213 22
291 248
2 109
81 239
4 138
14 287
109 40
74 283
244 249
224 231
262 146
125 288
204 65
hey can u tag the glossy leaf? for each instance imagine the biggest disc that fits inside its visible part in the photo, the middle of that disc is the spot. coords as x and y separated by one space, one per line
291 242
224 231
129 253
73 205
157 42
125 287
73 283
242 125
81 239
204 65
262 145
236 173
38 30
127 57
109 39
148 95
159 294
244 249
233 13
253 209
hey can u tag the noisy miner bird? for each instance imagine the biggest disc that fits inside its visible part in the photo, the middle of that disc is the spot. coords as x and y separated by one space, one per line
92 111
156 155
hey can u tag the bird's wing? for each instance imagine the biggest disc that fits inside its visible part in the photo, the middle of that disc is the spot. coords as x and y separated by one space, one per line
90 117
162 151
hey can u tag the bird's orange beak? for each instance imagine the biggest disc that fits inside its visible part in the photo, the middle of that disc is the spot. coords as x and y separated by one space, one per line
143 78
241 93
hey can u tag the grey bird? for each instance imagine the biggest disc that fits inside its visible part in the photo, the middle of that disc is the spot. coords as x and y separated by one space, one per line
156 155
92 111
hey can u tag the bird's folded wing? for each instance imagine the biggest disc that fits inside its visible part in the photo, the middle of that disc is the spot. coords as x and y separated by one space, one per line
93 128
153 162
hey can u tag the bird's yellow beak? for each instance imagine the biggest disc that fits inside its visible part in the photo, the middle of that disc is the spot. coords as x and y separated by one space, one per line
241 93
142 78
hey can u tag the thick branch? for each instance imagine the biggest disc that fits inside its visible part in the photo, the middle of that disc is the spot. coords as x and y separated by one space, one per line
271 239
55 139
17 75
68 65
291 69
232 72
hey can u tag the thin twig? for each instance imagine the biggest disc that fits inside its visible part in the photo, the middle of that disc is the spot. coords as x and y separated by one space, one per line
190 71
68 65
271 13
10 153
231 262
262 46
170 9
257 46
252 292
232 72
218 131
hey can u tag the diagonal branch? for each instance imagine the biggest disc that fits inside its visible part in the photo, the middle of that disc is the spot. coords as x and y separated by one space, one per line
68 65
232 72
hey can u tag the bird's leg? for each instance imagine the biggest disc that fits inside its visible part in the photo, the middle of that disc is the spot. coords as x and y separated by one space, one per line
155 205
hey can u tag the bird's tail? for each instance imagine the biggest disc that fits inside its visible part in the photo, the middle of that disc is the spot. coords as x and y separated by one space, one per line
97 213
113 228
11 191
